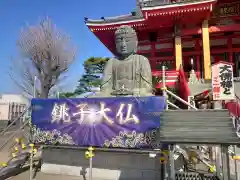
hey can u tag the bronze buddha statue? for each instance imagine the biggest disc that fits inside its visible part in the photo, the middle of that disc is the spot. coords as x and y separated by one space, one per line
130 74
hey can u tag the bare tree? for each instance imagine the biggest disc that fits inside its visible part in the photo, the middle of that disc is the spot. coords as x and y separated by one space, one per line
45 55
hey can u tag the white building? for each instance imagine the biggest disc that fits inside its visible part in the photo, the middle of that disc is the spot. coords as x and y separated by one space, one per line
11 106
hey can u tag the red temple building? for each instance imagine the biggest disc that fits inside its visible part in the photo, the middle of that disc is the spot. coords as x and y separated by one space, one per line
191 33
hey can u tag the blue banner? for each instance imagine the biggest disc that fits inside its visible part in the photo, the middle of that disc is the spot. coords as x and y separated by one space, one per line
101 122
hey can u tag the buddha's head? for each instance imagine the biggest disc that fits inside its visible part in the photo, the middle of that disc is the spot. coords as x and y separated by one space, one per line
126 41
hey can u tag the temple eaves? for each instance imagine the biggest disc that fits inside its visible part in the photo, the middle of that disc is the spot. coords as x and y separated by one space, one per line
146 8
115 19
167 3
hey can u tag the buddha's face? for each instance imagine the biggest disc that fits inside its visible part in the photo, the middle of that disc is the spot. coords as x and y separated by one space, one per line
126 41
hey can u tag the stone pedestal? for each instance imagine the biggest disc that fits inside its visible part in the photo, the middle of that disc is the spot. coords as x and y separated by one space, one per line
106 165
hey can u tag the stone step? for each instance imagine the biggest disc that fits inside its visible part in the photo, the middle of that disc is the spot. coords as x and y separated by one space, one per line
171 78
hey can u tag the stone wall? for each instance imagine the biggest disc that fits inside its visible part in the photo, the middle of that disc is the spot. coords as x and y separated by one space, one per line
106 165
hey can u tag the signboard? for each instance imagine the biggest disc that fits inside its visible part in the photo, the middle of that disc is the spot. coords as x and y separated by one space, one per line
222 81
191 101
226 10
102 122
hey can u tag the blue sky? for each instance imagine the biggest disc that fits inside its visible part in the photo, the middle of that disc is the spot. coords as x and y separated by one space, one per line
68 15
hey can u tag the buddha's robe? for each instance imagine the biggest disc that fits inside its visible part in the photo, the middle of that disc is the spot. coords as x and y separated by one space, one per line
133 73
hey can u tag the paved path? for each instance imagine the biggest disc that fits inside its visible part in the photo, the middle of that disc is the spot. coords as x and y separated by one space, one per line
43 176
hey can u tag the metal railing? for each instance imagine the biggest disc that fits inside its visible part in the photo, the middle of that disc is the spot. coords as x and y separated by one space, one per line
236 124
166 92
25 135
12 136
17 131
236 164
15 120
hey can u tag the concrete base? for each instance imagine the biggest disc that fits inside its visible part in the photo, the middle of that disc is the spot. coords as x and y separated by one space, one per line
80 171
106 165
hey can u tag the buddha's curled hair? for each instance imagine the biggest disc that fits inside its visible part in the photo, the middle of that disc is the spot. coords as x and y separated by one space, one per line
130 35
126 30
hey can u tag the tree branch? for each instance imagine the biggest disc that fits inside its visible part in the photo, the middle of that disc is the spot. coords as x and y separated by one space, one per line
45 53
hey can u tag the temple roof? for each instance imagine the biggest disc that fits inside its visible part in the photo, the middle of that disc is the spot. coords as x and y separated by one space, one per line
123 18
151 15
143 6
154 3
